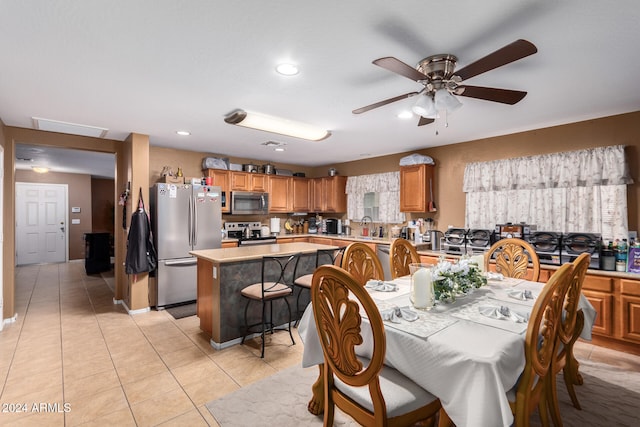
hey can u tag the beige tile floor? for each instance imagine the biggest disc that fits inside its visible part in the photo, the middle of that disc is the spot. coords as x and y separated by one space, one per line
72 346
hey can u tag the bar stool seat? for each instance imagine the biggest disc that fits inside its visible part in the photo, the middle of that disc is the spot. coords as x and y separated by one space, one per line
276 284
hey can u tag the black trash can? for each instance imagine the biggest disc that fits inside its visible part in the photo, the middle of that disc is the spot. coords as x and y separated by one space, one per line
97 252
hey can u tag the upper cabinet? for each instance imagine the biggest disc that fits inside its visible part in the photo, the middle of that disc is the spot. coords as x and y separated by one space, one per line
221 179
329 194
416 188
301 194
280 197
247 181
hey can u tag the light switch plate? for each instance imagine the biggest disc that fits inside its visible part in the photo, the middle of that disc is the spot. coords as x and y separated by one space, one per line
75 209
75 221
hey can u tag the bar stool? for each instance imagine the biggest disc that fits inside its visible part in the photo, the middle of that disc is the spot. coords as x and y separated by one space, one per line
275 284
323 257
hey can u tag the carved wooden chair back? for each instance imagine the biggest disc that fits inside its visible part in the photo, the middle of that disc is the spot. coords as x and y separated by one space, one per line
401 254
513 257
339 302
569 331
532 389
362 262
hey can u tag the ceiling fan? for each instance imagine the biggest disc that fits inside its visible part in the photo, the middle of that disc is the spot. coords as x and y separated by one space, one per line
441 81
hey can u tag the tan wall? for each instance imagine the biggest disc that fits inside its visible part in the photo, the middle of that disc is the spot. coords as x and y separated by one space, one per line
451 159
79 195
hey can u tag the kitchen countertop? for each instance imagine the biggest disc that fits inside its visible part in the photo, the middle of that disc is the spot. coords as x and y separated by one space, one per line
378 240
593 272
244 253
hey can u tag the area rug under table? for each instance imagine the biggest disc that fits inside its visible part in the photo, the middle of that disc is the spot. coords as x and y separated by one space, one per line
609 397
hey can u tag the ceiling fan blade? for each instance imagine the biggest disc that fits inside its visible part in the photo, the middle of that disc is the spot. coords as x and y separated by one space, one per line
395 65
505 96
424 121
385 102
510 53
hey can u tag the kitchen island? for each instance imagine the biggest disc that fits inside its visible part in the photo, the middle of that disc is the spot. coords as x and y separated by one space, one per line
223 273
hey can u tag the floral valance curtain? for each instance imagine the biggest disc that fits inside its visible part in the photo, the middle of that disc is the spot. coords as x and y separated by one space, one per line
577 191
584 168
387 185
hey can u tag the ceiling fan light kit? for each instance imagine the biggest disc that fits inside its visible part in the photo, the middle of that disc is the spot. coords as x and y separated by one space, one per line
442 83
277 125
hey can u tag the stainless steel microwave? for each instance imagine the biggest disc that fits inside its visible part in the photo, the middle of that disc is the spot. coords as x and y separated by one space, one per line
249 203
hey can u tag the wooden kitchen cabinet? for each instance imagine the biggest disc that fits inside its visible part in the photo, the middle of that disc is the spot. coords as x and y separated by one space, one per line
239 181
220 178
301 194
630 310
280 197
247 181
329 194
416 183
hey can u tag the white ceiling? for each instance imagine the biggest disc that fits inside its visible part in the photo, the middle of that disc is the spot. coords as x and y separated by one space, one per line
154 67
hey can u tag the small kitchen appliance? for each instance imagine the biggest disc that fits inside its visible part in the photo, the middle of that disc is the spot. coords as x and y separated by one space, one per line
332 226
574 244
454 241
548 246
477 240
510 230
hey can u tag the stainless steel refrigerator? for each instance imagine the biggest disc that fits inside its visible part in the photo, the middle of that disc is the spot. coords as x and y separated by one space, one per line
184 217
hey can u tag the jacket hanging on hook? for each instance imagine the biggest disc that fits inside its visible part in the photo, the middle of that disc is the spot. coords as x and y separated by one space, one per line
141 253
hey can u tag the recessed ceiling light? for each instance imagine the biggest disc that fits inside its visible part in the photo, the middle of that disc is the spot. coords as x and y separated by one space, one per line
40 169
278 149
405 114
183 132
287 69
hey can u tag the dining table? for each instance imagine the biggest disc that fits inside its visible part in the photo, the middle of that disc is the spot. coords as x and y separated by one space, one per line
464 352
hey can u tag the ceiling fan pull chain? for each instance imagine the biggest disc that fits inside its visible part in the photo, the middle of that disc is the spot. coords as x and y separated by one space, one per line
446 118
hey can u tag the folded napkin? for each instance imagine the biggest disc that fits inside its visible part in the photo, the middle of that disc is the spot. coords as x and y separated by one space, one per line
380 286
394 314
494 276
502 313
521 294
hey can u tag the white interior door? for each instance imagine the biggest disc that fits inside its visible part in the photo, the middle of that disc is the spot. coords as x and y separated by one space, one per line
41 226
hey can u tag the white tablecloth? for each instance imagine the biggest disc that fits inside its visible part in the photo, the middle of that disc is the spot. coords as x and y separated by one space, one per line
469 365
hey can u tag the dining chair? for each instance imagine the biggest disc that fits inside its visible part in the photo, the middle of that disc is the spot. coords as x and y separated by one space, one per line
275 284
401 254
532 388
513 257
323 256
570 329
362 262
370 392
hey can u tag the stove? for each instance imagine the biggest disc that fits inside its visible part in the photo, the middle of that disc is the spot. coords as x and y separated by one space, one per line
236 230
548 246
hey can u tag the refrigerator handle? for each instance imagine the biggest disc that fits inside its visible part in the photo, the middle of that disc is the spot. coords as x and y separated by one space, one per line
190 223
194 229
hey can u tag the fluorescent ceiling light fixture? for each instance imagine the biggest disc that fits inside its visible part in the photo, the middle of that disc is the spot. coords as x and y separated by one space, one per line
287 69
276 125
72 128
183 132
40 169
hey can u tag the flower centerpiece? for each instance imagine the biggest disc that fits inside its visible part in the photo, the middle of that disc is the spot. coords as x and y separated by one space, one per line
452 280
